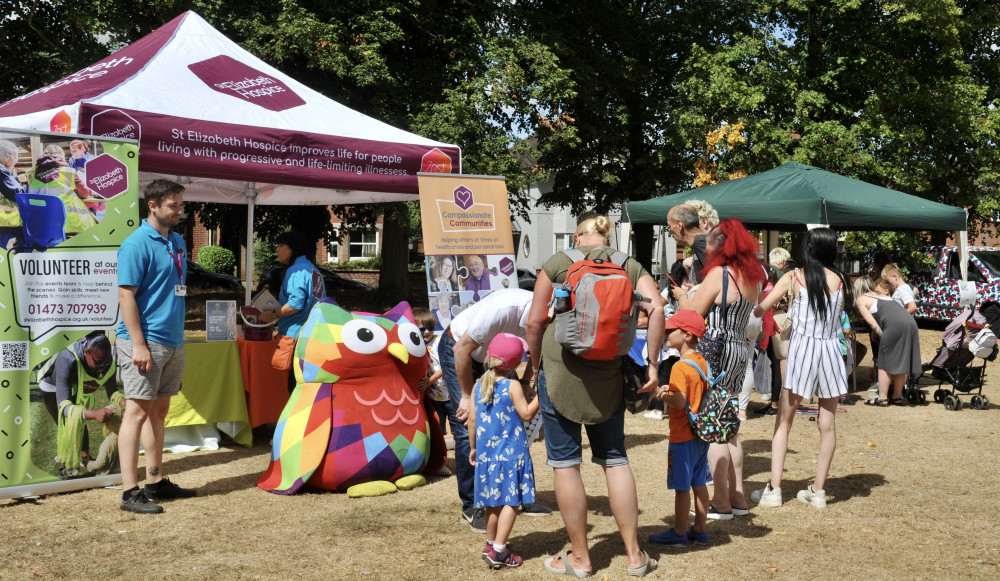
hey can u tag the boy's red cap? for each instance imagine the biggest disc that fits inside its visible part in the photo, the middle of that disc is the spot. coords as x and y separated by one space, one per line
687 320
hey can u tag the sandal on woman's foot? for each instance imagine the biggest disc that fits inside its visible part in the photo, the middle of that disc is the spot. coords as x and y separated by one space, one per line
880 403
567 567
648 567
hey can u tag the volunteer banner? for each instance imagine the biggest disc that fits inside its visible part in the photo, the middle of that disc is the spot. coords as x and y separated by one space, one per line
68 201
468 243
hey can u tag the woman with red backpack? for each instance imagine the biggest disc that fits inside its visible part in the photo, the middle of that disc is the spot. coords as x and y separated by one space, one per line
576 392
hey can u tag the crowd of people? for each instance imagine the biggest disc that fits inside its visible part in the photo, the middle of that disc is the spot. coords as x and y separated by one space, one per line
722 293
708 329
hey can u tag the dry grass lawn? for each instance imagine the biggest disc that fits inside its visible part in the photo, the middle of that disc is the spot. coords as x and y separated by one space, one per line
913 495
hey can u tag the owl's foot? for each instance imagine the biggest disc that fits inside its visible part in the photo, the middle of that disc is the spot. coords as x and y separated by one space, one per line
410 482
373 488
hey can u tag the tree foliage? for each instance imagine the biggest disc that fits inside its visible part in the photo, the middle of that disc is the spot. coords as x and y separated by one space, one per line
901 94
611 100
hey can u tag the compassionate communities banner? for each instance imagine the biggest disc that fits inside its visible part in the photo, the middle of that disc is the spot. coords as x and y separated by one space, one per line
468 241
68 201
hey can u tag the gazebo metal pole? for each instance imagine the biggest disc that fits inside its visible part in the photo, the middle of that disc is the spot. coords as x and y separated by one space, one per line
250 192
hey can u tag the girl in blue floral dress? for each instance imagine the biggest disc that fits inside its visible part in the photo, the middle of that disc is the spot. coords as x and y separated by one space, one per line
504 473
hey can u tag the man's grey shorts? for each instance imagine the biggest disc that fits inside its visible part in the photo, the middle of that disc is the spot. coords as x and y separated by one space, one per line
164 379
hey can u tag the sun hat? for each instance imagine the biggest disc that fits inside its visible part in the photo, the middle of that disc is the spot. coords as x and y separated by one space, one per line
687 320
509 349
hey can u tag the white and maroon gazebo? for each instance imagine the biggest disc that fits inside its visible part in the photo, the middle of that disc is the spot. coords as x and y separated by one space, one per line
230 127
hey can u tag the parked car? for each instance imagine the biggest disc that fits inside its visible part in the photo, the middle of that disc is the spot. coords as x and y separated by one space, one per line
335 283
200 279
526 279
937 286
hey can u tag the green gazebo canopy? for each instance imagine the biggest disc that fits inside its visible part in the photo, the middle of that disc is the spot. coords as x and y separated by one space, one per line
794 195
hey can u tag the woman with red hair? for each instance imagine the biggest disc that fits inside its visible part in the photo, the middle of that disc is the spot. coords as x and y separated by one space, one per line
731 250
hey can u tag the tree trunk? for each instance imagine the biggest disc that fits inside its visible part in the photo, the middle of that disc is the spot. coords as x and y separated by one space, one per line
393 279
643 248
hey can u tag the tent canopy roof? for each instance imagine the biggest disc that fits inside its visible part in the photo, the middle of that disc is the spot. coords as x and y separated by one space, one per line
793 195
203 107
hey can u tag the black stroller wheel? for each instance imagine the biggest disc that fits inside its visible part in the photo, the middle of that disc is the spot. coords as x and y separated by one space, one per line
923 397
949 402
913 396
986 403
976 402
939 395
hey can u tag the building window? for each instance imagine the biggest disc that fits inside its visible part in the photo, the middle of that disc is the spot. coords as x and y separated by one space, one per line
563 241
363 244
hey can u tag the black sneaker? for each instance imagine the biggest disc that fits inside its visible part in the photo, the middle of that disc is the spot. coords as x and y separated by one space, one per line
476 517
135 500
167 490
532 509
767 410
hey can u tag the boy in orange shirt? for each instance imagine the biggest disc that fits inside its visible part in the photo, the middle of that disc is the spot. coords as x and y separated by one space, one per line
687 456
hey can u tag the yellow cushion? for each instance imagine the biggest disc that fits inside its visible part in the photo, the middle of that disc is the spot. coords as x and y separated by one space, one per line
373 488
410 482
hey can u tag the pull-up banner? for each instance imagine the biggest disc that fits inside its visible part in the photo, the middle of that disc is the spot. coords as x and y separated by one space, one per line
468 242
68 201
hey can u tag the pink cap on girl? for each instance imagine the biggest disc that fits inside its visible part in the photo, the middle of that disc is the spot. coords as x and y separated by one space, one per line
508 348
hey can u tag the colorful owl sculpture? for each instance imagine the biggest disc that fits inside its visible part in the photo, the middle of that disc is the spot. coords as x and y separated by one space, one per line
356 415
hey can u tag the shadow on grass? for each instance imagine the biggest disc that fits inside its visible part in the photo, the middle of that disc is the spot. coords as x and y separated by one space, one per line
175 465
639 440
543 544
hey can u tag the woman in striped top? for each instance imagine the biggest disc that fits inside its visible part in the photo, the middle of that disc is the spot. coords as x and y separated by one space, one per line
730 247
815 365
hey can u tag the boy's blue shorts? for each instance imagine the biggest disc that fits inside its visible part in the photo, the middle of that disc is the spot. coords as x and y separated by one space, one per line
687 464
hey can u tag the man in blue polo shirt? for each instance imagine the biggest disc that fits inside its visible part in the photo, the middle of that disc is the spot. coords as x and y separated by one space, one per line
152 267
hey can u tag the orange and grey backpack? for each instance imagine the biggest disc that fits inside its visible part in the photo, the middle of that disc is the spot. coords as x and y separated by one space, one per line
601 322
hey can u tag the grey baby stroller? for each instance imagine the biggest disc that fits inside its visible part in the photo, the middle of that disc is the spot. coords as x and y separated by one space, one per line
967 344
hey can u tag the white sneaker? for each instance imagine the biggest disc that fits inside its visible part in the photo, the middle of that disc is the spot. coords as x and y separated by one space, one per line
817 499
767 496
653 415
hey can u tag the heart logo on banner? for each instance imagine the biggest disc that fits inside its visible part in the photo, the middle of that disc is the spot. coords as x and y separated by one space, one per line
463 197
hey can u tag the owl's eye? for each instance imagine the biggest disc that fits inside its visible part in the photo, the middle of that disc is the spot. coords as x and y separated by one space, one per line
410 337
363 336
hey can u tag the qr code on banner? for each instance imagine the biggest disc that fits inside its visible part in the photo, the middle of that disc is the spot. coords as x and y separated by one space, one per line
13 355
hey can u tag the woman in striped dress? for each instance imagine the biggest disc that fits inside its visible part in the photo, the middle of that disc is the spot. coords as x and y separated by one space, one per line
730 248
815 364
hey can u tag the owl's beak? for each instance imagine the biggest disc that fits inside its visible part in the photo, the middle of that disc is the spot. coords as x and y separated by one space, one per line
400 352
